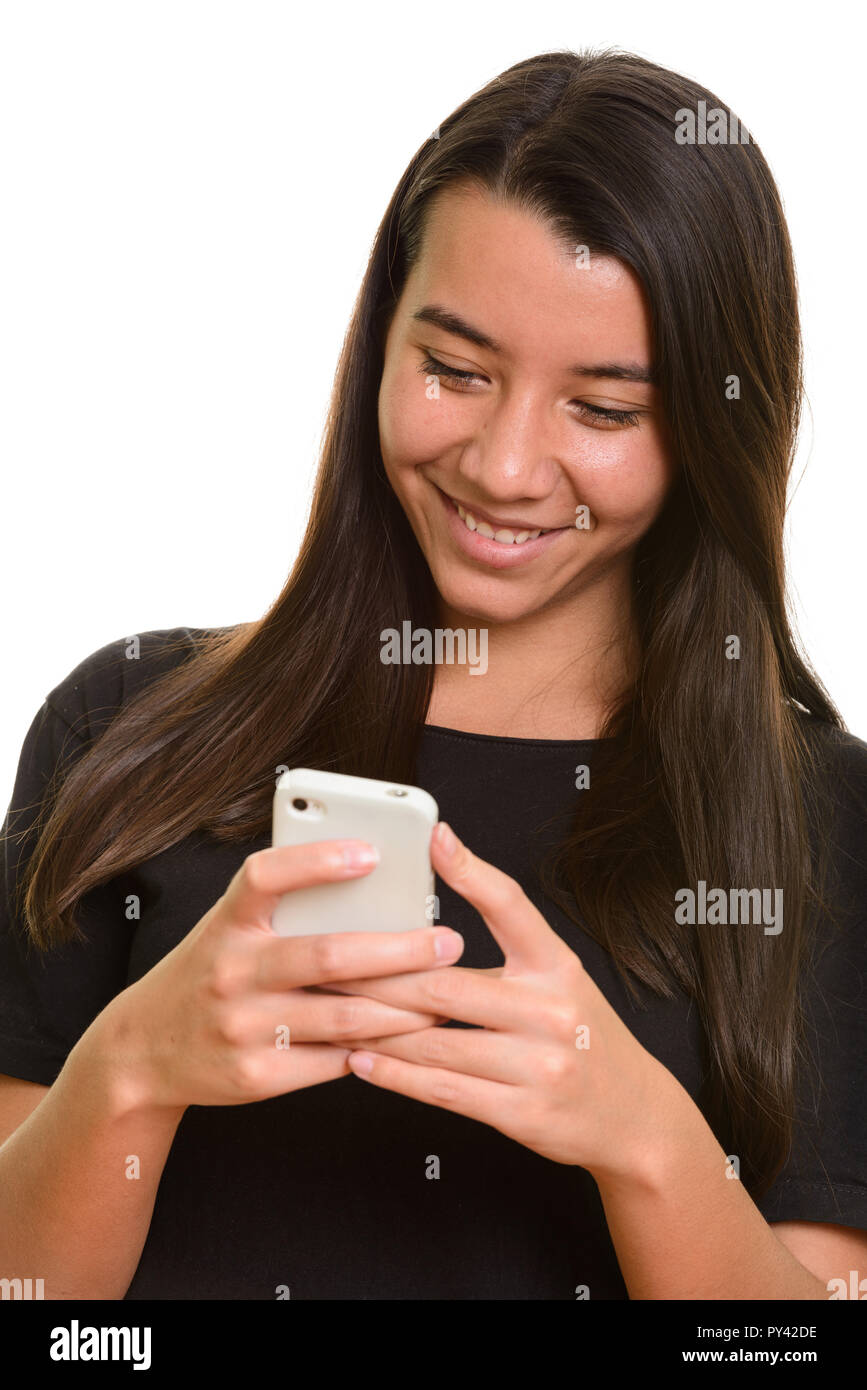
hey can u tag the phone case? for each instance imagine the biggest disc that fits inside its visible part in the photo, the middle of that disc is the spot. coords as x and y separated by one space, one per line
397 895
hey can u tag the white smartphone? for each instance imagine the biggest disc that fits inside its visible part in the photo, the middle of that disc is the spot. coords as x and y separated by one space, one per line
396 895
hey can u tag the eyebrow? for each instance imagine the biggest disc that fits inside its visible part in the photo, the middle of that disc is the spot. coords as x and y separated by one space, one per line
451 322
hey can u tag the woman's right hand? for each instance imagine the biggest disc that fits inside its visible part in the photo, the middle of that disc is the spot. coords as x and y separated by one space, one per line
208 1024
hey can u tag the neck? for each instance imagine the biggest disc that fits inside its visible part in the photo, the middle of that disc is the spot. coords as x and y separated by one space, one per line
554 674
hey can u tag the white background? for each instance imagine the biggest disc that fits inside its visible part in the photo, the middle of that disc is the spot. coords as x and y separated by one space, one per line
189 194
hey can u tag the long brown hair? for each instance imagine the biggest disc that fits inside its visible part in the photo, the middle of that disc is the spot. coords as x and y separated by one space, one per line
708 774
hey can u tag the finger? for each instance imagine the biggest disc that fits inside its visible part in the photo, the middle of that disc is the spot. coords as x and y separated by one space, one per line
308 1064
433 1020
303 1018
288 962
470 996
519 929
471 1051
266 875
336 988
493 972
490 1102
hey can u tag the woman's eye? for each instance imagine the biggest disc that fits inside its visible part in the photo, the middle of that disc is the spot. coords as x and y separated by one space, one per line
607 415
431 367
596 414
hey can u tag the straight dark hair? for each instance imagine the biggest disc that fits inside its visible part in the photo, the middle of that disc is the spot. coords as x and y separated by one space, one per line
708 773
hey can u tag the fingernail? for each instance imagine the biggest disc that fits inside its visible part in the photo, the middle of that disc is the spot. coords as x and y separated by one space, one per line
446 838
448 945
358 855
361 1063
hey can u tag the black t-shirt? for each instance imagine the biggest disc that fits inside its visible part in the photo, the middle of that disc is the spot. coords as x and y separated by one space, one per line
326 1189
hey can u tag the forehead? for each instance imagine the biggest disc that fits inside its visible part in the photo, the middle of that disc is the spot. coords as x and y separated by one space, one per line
506 272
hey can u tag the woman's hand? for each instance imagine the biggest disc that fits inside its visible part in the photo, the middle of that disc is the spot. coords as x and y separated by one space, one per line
550 1063
228 1017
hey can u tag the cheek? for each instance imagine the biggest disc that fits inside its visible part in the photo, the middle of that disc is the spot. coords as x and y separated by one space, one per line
413 428
624 480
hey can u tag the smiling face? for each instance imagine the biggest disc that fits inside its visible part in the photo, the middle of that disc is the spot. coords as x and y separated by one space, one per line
519 440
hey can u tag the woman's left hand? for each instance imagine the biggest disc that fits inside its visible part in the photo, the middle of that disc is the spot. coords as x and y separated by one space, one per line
550 1063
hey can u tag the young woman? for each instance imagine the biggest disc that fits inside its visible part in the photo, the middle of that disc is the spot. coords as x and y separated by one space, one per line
562 424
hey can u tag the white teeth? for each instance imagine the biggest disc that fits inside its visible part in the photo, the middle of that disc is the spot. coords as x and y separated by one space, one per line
505 537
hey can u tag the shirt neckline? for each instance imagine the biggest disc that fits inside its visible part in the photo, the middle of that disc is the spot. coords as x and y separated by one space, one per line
521 742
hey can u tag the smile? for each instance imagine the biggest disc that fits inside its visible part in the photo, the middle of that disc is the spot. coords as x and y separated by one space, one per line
495 546
503 536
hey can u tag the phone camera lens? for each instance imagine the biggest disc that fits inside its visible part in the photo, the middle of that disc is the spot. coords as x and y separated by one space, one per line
299 803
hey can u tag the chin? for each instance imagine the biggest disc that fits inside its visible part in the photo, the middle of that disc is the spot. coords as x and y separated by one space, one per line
492 604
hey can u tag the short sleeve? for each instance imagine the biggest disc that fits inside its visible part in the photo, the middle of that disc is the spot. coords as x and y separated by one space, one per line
49 998
825 1178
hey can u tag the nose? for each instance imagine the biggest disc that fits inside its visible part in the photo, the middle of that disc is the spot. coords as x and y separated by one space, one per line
513 455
